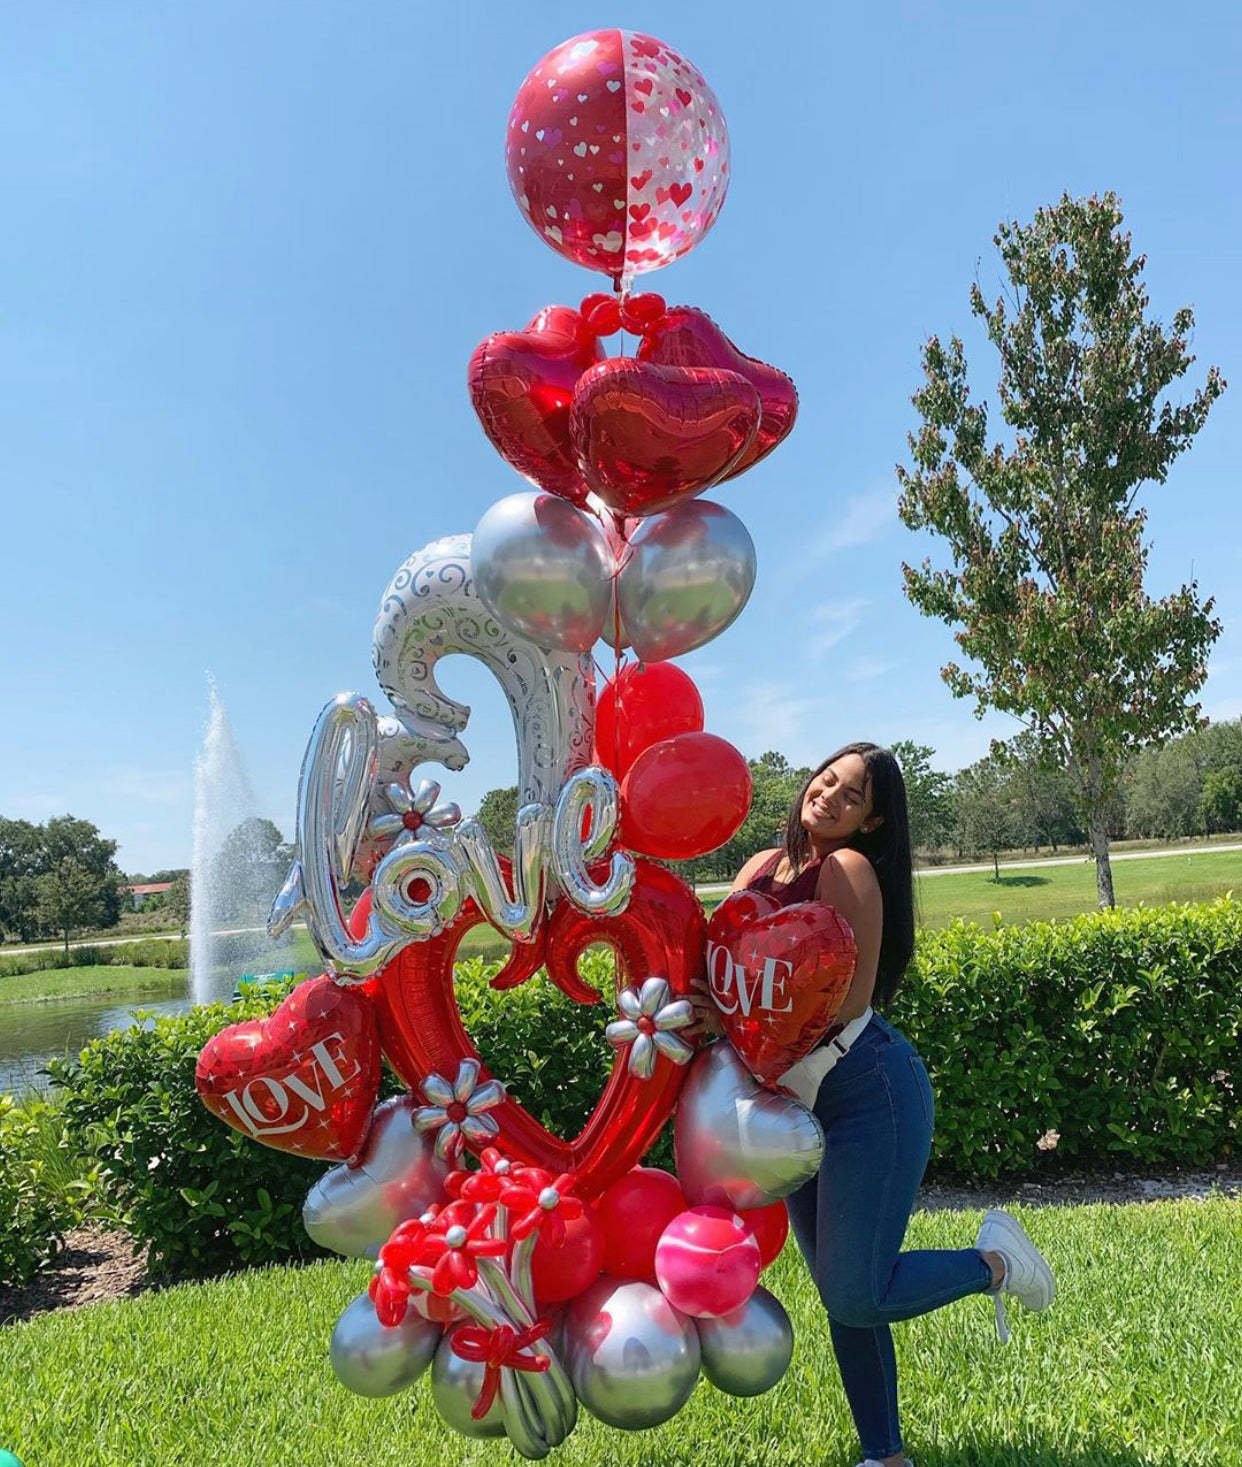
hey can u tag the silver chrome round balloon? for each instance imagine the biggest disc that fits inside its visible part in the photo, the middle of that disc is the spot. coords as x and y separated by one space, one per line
737 1144
372 1360
689 573
632 1357
745 1353
543 568
353 1209
455 1387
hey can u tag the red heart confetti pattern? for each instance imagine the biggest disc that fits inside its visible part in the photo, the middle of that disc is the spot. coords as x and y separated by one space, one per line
608 121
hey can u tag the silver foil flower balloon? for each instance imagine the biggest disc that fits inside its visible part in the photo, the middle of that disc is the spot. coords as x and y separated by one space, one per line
647 1022
415 810
457 1112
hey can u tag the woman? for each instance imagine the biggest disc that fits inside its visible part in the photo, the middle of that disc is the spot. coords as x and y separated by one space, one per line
847 844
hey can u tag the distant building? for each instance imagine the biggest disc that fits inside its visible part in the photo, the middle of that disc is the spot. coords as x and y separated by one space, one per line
150 889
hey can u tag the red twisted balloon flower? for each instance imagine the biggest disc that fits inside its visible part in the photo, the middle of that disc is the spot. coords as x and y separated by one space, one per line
543 1203
498 1349
453 1248
486 1184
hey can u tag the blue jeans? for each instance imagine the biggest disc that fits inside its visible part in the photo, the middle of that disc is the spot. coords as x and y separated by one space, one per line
877 1112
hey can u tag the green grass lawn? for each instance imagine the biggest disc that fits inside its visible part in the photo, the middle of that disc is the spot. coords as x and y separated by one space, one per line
1137 1365
1063 891
54 983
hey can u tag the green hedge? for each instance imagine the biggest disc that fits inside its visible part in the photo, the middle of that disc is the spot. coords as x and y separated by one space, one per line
1119 1031
144 953
203 1197
36 1206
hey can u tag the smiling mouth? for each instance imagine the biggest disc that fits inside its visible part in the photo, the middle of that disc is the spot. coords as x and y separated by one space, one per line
821 812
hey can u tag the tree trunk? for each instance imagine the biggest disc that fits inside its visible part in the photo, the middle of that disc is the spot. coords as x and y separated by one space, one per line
996 865
1098 837
66 942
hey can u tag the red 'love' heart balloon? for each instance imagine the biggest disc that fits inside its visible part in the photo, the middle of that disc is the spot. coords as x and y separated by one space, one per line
304 1079
778 976
661 932
648 435
687 337
522 385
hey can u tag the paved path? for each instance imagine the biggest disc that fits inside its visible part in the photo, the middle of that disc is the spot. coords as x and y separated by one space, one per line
714 890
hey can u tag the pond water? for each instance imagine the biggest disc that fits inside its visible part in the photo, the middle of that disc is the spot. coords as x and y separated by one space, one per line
33 1033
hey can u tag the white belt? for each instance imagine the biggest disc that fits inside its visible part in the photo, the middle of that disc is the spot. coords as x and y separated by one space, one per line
804 1079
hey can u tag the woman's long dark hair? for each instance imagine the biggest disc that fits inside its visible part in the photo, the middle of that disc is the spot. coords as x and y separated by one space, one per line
887 847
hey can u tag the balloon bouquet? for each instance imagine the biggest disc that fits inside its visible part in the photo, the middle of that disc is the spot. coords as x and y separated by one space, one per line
532 1273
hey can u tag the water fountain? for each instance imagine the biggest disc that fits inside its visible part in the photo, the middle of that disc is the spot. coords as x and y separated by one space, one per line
236 868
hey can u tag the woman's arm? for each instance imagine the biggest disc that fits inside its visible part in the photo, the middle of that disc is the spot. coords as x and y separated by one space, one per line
847 882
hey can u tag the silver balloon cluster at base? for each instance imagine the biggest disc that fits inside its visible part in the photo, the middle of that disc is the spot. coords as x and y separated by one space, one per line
620 1348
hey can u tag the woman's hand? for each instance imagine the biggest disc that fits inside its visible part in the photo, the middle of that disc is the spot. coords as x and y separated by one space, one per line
706 1022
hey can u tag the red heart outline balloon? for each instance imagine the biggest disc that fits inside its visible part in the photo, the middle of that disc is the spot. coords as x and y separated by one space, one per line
304 1079
778 976
687 337
522 386
648 435
661 932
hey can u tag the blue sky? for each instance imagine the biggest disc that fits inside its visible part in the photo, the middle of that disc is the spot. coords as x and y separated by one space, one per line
248 249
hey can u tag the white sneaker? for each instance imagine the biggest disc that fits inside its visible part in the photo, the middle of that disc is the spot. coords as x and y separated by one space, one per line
871 1462
1027 1275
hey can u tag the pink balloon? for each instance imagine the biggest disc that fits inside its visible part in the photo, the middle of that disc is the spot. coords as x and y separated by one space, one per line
617 152
707 1262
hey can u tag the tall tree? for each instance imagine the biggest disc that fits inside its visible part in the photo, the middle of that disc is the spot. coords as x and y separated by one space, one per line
1046 543
72 897
988 811
929 795
498 816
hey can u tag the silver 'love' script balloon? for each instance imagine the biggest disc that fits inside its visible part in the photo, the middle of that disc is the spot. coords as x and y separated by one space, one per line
373 1360
745 1353
737 1144
353 1209
689 573
632 1357
544 569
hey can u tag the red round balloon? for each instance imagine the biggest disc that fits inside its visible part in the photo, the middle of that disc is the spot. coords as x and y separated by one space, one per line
684 796
644 704
617 152
633 1212
563 1271
770 1226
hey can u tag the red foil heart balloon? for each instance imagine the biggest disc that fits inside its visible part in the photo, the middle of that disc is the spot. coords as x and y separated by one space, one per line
304 1079
522 385
778 976
687 337
648 435
662 931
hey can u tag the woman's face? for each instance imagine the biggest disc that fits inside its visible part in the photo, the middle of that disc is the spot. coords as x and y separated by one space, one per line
837 804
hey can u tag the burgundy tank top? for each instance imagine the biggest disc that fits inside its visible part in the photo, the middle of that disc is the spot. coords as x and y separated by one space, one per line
801 889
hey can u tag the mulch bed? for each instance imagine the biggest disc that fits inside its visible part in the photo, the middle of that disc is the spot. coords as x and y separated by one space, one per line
94 1265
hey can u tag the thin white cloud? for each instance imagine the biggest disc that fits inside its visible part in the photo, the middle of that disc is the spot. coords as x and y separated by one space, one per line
838 619
864 517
